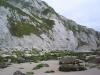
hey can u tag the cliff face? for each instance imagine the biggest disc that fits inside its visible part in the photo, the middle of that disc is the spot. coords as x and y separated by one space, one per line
33 24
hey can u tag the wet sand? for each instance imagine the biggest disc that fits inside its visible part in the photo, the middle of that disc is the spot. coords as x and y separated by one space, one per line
27 67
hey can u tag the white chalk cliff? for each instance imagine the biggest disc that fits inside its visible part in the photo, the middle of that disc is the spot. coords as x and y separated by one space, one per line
27 24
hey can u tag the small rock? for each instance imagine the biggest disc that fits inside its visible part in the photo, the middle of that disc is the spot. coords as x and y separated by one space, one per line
21 68
18 73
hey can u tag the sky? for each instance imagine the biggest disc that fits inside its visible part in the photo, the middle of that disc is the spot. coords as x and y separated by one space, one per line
84 12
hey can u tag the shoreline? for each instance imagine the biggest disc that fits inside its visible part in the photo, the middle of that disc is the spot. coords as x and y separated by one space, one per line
28 67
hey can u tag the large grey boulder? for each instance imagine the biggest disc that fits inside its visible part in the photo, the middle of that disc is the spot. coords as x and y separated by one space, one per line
70 60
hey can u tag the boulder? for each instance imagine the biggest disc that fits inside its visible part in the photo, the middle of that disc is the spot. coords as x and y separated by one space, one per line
70 67
69 60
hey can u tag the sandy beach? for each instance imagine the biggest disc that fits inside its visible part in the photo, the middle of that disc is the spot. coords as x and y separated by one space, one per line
53 65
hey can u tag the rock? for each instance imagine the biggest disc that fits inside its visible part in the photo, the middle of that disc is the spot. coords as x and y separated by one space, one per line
33 24
71 67
3 65
98 60
50 71
69 60
18 73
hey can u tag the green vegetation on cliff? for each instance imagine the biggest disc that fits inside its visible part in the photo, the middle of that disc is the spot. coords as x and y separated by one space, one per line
19 29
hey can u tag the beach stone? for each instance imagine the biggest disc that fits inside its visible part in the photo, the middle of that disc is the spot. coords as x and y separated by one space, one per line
3 65
18 73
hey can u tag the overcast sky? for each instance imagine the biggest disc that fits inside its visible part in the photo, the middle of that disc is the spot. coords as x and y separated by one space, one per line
84 12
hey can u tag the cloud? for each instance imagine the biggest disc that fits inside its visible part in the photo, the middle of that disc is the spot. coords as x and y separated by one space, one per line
84 12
